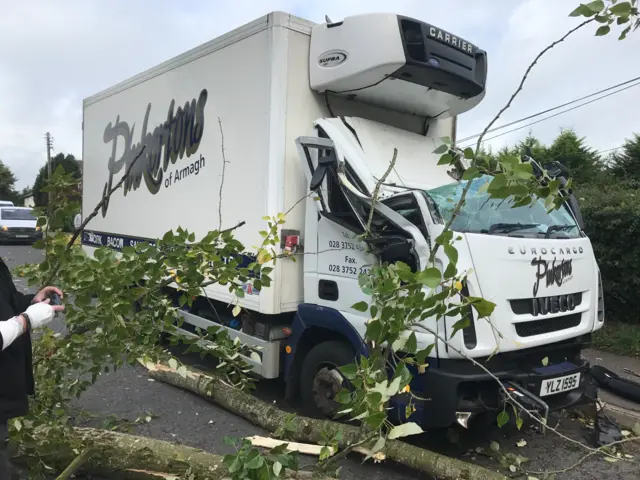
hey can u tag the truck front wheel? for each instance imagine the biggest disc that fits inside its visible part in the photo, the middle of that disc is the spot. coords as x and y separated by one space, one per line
320 379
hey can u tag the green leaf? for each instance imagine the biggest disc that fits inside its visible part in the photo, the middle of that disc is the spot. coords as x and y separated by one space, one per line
446 140
519 422
349 371
277 468
483 307
173 363
498 182
596 6
361 306
233 462
460 325
471 173
603 30
578 12
494 446
182 371
236 310
545 361
430 277
451 252
503 419
412 343
256 460
469 153
441 149
376 420
445 159
623 8
17 424
343 397
422 355
405 430
623 35
374 331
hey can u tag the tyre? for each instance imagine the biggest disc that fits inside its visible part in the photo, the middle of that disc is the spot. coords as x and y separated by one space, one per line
320 380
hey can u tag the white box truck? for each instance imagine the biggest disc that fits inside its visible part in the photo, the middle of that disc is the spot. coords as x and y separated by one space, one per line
306 107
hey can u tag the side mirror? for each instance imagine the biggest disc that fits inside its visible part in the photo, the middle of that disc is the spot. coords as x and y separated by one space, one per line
325 163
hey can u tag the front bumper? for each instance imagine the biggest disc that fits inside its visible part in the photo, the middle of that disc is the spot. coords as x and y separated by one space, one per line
450 386
28 236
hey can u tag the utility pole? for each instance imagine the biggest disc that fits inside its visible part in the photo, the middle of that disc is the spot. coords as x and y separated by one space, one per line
49 140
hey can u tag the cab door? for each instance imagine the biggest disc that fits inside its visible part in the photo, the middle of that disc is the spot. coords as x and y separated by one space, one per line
335 252
348 240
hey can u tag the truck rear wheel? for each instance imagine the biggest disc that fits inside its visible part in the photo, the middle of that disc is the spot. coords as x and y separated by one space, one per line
320 380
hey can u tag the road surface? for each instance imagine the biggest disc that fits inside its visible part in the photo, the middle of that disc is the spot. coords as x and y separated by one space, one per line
184 418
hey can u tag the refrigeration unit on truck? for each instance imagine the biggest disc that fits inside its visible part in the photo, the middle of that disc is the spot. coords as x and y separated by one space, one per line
310 115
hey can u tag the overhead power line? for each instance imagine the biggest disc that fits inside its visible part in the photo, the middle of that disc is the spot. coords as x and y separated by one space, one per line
556 114
524 119
610 149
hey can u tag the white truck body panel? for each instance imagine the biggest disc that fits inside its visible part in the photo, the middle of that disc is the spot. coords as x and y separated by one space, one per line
257 83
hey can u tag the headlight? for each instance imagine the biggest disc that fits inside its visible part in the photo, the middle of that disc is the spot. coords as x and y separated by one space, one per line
4 228
37 228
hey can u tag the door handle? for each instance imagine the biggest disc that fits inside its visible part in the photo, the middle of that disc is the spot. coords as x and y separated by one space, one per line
328 290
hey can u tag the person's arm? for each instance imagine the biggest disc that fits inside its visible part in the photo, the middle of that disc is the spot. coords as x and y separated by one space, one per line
10 330
35 316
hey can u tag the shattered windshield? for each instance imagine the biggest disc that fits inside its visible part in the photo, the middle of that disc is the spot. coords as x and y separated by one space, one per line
481 214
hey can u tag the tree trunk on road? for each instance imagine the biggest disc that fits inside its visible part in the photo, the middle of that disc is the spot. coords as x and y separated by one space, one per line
135 457
310 430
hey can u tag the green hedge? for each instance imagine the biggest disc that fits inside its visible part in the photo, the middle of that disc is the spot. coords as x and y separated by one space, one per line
611 213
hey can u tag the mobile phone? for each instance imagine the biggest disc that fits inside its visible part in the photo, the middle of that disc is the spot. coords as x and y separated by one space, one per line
55 299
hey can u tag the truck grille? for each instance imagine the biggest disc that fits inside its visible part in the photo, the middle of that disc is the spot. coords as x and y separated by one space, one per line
548 325
25 230
524 306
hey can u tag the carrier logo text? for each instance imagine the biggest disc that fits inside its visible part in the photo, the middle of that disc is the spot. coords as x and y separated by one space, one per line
451 40
552 272
169 141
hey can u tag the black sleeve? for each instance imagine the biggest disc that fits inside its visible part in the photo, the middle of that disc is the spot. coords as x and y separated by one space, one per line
21 300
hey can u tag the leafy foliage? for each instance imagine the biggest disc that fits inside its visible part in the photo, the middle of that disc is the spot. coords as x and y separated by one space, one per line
69 164
249 464
611 212
625 164
606 14
105 331
7 184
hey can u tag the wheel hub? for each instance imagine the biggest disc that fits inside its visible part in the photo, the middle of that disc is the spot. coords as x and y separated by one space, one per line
326 385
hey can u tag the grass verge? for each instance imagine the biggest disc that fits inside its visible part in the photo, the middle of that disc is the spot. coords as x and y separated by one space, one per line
618 338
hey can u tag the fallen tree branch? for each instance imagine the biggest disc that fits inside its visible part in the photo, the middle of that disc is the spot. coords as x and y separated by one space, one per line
311 430
131 456
75 465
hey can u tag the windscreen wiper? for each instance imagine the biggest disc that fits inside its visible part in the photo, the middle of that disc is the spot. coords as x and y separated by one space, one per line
510 227
557 228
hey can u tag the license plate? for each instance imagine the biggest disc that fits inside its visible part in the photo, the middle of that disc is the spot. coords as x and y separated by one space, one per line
559 384
22 236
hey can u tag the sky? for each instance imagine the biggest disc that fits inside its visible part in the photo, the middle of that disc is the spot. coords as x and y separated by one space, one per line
55 53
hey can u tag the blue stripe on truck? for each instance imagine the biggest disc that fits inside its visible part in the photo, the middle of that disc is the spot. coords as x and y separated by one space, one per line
114 241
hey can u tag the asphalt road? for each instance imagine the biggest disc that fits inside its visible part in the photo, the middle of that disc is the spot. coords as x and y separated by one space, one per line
183 418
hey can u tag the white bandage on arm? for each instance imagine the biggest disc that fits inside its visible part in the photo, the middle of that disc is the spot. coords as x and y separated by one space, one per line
10 330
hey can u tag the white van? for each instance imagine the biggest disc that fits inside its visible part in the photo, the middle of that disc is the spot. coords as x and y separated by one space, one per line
18 224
